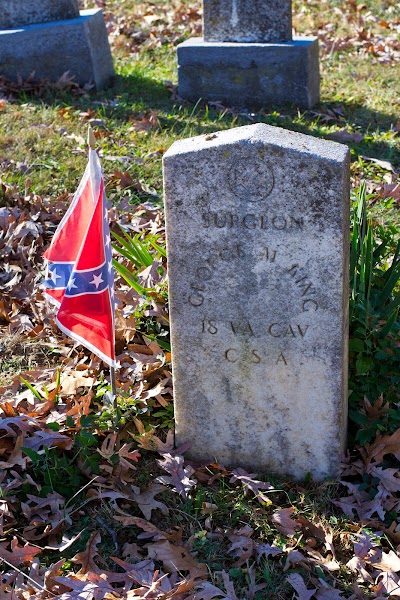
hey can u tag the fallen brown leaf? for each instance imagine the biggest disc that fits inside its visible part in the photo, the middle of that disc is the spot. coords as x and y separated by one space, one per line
250 484
297 582
283 521
147 503
86 558
18 554
345 135
242 546
179 475
384 561
176 559
383 444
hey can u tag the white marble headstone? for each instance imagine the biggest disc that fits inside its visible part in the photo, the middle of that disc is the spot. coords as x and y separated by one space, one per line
257 240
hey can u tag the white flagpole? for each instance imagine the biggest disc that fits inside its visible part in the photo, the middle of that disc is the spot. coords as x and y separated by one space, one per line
92 145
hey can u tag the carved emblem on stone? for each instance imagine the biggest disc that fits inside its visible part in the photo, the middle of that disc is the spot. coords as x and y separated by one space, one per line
252 181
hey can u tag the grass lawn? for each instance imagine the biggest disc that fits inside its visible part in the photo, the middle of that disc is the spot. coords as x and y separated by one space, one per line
96 503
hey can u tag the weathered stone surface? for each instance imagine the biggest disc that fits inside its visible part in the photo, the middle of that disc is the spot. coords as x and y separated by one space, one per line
17 13
250 74
257 238
48 50
247 21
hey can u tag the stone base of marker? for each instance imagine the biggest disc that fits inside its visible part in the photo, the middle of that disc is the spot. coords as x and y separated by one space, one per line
250 74
48 50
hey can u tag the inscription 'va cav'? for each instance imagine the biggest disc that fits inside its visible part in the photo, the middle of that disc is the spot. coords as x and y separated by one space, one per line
244 328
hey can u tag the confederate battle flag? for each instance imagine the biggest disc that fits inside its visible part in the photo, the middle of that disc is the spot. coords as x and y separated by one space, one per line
79 278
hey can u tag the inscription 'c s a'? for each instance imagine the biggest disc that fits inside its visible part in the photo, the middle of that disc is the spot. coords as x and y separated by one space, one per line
232 355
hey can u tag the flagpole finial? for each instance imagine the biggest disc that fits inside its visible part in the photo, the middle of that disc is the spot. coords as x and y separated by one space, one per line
91 138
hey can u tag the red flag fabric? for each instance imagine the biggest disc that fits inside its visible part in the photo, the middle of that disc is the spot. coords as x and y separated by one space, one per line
79 278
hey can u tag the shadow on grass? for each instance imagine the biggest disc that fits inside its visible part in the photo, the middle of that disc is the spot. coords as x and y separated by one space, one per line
374 126
136 93
142 89
371 132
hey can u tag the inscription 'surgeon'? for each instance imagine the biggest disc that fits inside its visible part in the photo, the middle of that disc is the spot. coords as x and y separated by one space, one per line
251 221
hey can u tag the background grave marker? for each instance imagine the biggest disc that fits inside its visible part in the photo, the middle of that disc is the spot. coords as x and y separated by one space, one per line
47 38
15 13
248 57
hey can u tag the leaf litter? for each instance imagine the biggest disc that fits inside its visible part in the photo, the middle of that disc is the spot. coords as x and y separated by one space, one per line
132 481
39 428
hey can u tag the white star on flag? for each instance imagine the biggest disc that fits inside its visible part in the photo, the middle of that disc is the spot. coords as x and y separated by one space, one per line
54 276
108 241
71 284
97 280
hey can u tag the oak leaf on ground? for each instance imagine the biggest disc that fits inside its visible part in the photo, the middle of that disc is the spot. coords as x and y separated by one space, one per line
389 478
382 445
141 572
283 521
363 544
250 484
21 423
176 559
179 475
388 583
47 439
132 552
328 562
297 582
94 587
18 554
358 565
253 586
146 501
384 561
294 557
267 550
150 529
230 588
208 591
242 546
86 558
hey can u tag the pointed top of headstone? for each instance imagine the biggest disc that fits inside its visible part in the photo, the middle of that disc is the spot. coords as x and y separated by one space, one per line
247 20
19 13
